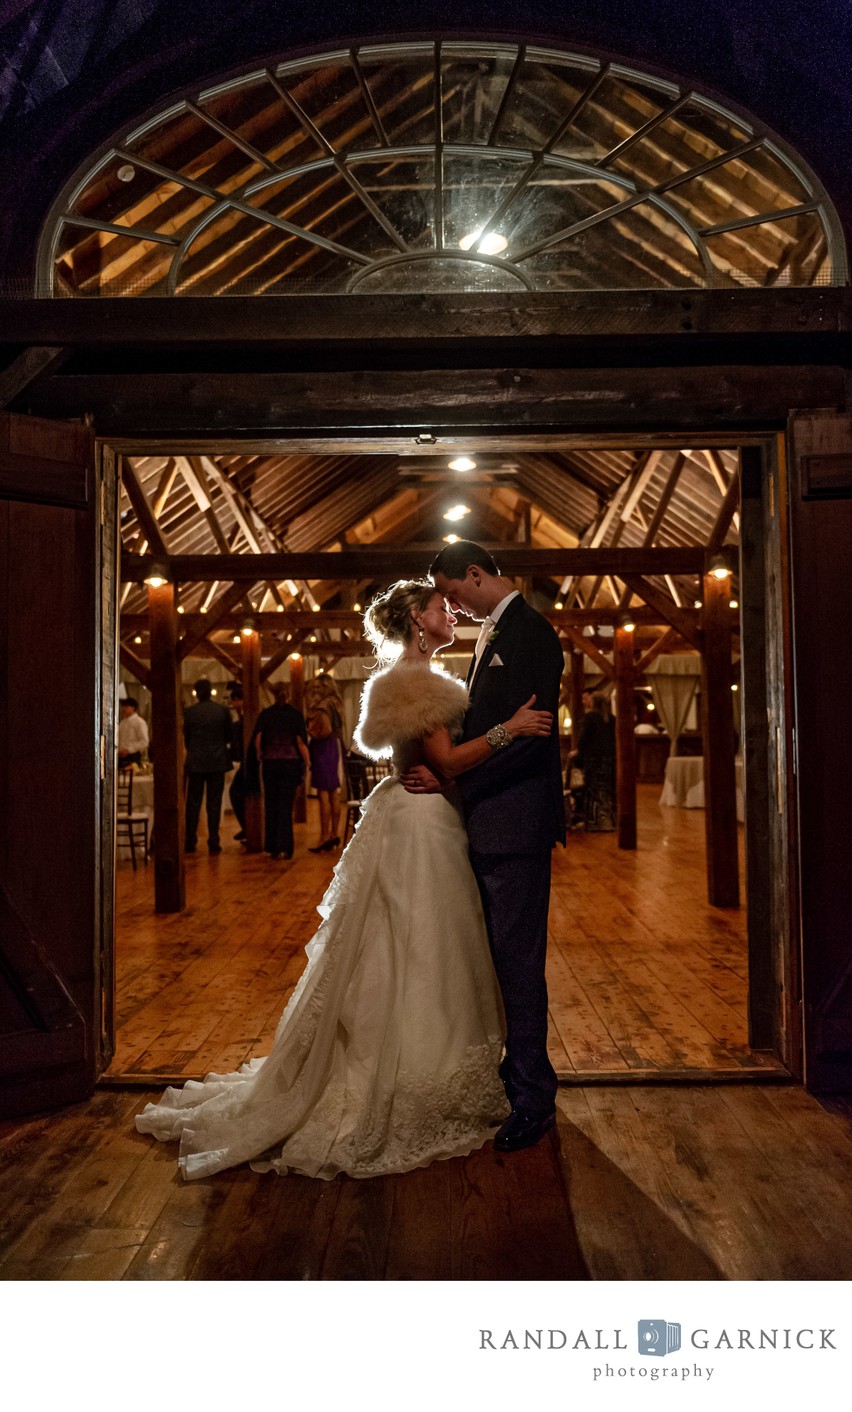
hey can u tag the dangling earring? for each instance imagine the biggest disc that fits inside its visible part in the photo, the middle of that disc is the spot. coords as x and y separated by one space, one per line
421 639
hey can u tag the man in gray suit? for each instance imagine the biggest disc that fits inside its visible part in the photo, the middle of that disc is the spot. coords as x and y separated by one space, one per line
514 814
207 735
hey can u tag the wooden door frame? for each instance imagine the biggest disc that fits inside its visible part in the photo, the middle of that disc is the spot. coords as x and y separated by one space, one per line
775 1011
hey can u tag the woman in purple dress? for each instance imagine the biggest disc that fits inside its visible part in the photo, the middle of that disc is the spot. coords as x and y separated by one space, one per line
324 747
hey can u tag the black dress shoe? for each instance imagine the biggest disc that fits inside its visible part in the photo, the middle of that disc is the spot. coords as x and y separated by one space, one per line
522 1130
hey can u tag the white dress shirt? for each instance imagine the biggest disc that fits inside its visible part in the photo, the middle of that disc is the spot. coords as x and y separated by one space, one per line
490 623
132 734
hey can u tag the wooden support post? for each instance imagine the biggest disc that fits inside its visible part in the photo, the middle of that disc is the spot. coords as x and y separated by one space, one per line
578 675
625 739
167 740
297 699
251 706
720 786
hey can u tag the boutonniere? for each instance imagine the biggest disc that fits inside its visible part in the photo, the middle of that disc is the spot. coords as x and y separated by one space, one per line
494 634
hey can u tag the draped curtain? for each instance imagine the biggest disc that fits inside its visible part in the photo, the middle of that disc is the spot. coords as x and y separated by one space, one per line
673 682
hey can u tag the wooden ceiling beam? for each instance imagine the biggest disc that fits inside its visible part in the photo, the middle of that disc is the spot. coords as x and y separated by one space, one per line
668 610
663 644
576 638
141 507
211 620
27 368
317 319
344 620
133 663
285 650
369 562
215 649
727 513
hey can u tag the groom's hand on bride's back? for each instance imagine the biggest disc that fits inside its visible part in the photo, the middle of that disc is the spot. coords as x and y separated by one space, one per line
420 780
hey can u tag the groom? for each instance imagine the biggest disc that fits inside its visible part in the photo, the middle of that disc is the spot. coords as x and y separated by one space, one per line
514 814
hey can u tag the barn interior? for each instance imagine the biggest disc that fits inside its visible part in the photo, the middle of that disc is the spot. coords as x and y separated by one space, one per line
618 298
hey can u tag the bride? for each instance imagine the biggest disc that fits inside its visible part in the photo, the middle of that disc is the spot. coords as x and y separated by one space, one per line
386 1056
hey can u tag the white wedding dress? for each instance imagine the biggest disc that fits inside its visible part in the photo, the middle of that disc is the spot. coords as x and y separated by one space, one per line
386 1056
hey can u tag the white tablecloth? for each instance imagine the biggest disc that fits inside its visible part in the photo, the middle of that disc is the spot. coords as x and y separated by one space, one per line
684 783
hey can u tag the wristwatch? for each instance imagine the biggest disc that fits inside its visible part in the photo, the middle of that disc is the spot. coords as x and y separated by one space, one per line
498 737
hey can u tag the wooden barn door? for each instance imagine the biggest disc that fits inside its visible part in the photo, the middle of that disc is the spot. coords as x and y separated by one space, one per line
821 535
52 757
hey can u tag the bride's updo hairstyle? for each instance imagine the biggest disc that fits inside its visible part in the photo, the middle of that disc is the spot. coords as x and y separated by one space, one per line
388 623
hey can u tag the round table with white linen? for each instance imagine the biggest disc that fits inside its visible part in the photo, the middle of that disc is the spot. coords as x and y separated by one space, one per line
684 783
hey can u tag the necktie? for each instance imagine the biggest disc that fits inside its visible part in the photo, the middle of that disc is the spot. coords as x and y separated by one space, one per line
481 641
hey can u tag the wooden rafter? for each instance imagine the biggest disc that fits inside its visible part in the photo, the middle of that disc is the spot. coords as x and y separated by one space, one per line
192 471
575 636
130 659
224 605
285 650
682 622
141 507
727 513
663 644
27 368
233 663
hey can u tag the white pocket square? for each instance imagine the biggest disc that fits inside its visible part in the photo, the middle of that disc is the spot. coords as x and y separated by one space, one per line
496 661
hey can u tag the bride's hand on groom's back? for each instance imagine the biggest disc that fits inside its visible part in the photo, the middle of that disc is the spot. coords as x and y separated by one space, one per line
527 721
420 780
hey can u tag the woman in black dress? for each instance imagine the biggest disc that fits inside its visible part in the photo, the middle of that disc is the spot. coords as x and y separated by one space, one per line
595 756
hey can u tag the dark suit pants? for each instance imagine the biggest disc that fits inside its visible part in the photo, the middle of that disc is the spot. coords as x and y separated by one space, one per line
515 892
280 782
213 781
237 796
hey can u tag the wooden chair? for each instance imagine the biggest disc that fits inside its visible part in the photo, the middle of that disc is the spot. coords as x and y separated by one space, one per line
126 822
362 776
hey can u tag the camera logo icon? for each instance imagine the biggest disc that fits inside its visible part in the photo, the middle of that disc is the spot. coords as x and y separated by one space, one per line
657 1338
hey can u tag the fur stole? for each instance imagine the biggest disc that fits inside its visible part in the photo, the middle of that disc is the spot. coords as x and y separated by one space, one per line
407 701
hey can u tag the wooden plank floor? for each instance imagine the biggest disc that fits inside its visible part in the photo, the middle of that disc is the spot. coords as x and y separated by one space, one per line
646 980
736 1182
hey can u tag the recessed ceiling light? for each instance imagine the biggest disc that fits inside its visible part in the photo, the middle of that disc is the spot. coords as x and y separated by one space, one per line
462 463
451 539
456 512
490 244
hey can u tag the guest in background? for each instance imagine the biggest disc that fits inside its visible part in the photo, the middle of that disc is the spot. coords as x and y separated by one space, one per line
324 710
324 748
237 788
595 756
322 690
279 743
132 733
207 731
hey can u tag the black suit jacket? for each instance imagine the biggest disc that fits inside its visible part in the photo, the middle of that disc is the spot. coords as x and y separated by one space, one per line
207 733
513 802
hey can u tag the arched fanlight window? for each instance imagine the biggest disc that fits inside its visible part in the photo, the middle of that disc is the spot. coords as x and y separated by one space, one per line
442 166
